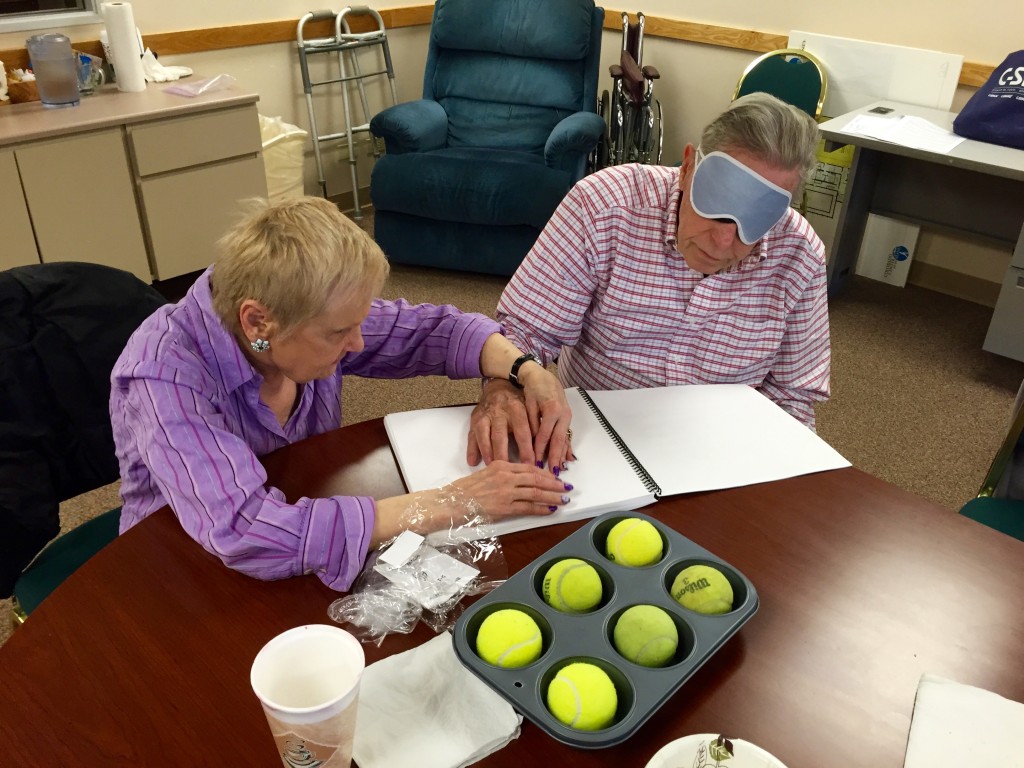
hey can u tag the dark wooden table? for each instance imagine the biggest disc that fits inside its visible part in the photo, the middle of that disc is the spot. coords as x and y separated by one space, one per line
143 656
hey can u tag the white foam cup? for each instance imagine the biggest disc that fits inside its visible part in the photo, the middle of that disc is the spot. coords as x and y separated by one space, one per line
308 682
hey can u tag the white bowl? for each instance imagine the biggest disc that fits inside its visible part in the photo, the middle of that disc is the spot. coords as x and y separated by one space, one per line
701 751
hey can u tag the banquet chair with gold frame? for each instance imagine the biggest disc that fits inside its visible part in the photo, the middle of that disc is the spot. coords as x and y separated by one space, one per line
790 74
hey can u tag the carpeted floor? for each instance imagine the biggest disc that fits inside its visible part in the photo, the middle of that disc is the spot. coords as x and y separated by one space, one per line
915 400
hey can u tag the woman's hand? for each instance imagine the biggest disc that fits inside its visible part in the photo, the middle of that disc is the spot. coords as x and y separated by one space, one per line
501 489
537 416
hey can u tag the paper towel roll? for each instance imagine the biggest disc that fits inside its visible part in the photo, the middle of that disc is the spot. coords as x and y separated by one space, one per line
124 46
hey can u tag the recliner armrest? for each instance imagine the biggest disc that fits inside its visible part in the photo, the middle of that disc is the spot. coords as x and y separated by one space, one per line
412 126
571 140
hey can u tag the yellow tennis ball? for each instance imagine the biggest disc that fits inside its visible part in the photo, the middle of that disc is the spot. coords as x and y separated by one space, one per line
634 542
583 697
508 638
646 635
572 586
703 589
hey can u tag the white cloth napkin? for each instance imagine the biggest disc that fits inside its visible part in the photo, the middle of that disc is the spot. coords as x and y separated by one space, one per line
958 725
157 73
423 709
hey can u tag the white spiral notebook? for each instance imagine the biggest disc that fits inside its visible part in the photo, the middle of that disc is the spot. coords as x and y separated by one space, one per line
633 446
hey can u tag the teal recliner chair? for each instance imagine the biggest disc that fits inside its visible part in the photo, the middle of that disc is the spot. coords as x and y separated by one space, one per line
474 169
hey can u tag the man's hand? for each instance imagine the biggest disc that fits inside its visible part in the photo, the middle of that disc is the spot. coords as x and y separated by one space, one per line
538 417
501 410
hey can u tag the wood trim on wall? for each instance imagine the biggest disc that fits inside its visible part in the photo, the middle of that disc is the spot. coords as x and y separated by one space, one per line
972 74
706 34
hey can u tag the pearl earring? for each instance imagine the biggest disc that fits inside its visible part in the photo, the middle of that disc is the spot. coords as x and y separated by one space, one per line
259 345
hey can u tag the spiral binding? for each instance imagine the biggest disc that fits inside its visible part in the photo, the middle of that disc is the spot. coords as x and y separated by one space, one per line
641 471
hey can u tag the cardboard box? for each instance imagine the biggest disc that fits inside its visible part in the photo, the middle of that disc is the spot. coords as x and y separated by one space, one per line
887 249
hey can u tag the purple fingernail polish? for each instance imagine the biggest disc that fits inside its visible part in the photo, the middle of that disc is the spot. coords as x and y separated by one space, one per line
552 509
556 470
565 499
540 465
568 486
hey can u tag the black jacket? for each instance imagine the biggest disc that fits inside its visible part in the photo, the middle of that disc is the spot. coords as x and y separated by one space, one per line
62 327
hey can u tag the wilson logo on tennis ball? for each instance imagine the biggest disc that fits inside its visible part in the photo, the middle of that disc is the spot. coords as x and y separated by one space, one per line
693 586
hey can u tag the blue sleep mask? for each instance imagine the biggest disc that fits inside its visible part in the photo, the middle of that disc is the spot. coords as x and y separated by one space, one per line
724 188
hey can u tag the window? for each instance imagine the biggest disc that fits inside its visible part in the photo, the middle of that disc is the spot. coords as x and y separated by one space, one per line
16 15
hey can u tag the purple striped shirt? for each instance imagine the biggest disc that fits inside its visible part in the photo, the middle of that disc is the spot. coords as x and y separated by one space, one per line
189 427
606 291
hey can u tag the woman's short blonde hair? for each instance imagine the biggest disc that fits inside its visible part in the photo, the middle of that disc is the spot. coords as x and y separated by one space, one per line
291 256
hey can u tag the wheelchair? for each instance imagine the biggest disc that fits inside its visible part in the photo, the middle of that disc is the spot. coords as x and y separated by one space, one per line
633 116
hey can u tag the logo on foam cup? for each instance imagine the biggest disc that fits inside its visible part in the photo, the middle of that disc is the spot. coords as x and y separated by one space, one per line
297 755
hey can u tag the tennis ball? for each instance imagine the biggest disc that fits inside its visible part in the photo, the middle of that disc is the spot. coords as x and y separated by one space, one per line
508 638
646 635
703 589
583 697
572 586
634 542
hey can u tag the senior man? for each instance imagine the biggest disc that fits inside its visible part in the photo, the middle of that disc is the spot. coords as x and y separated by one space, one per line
651 276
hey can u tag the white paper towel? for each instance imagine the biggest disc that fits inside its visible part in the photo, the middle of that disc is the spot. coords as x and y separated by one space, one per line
958 725
124 46
424 709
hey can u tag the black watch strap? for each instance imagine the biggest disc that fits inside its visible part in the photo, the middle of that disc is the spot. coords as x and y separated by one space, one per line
513 375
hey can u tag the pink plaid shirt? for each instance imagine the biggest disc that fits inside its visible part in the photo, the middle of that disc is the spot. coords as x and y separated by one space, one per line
605 290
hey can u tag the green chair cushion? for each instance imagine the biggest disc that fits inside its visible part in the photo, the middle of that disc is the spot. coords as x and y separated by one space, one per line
63 557
1005 515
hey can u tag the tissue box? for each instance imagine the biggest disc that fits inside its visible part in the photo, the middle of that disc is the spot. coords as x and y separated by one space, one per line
22 91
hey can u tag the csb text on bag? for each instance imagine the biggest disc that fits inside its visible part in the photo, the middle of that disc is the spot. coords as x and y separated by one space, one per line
995 113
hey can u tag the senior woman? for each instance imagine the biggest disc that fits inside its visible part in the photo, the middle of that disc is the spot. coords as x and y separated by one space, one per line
251 359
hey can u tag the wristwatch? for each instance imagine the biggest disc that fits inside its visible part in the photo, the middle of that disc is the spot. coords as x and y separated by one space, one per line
513 375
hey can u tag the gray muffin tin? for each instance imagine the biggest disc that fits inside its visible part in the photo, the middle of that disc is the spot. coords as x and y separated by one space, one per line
568 638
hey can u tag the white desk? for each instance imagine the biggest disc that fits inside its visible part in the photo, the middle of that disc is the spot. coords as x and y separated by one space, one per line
975 190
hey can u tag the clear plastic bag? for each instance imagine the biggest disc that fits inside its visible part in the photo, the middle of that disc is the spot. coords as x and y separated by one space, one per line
411 577
199 87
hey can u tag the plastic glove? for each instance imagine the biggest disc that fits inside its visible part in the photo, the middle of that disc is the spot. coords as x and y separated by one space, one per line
157 73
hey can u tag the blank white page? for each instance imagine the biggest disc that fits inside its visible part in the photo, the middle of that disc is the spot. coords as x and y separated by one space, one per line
703 437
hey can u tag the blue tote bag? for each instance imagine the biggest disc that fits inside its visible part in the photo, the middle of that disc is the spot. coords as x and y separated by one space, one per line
995 113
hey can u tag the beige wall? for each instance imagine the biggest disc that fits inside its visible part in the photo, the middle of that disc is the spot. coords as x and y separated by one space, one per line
984 32
697 83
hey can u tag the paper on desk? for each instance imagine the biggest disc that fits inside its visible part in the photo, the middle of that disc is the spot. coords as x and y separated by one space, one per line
905 130
957 725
